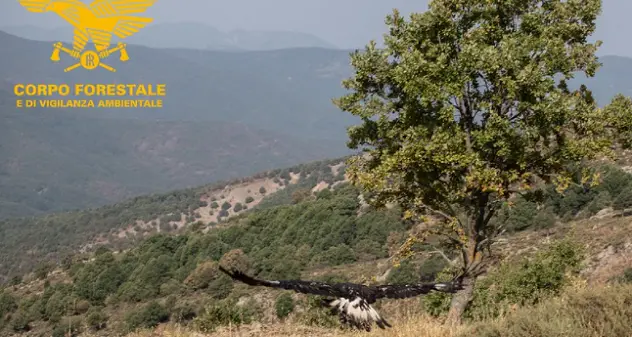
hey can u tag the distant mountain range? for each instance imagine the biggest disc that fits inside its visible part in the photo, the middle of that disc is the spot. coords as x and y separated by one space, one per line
226 115
189 35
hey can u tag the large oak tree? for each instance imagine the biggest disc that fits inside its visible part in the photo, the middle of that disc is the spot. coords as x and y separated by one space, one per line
468 103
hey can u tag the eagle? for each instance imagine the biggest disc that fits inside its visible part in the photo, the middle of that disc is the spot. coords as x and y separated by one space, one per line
352 302
96 22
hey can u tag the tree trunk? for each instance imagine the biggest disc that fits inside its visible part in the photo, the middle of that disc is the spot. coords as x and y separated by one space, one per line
460 301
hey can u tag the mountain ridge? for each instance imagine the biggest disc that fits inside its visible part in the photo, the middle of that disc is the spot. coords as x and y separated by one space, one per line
193 35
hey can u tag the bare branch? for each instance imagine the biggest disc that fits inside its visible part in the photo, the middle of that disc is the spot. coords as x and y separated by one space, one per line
445 257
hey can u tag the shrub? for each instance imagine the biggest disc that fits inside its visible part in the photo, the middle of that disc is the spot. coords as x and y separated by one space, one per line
226 206
42 270
20 322
148 316
431 267
338 255
238 207
222 313
317 315
96 319
526 282
214 205
623 200
602 201
7 304
262 190
235 259
580 313
404 273
626 276
284 305
70 326
183 313
200 278
249 199
82 307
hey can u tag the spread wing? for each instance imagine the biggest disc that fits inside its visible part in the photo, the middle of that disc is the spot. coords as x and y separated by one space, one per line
412 290
101 39
305 287
109 8
120 10
37 6
80 39
129 26
69 13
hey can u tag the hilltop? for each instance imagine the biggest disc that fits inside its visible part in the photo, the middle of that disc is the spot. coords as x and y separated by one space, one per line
190 35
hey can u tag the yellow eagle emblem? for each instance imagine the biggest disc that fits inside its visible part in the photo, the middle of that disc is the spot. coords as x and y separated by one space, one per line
96 22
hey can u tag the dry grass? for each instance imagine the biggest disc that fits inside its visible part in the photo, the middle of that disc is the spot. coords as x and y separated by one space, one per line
586 312
418 326
580 312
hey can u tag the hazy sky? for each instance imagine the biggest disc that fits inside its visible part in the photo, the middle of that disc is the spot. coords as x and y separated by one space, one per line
345 23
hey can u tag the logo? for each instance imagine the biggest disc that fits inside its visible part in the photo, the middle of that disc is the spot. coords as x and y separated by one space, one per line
97 22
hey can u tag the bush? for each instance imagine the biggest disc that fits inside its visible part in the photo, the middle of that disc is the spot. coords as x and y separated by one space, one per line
68 327
204 273
626 276
226 206
148 316
623 200
284 305
96 319
404 273
238 207
249 199
214 205
183 313
20 322
7 304
82 307
602 201
235 259
222 313
262 190
583 313
317 315
526 282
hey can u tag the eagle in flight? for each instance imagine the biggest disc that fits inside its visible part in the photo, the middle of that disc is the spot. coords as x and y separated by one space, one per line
352 302
98 21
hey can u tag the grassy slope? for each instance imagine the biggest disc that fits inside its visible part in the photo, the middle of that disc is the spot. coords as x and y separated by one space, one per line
607 240
581 312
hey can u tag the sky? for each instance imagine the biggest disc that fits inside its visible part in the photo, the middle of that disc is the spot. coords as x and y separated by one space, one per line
345 23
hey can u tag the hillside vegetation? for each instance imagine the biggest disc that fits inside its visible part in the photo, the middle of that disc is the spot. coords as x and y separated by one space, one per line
332 236
50 238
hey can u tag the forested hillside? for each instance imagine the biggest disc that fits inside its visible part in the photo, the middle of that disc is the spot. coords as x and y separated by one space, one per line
50 238
331 235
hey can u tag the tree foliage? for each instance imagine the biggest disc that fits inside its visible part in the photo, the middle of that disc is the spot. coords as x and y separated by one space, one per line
468 103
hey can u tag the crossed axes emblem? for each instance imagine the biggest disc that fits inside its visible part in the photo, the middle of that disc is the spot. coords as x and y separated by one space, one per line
89 59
